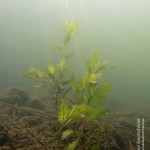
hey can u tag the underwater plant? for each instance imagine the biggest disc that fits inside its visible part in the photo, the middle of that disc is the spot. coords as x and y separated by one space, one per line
56 78
67 117
88 91
88 94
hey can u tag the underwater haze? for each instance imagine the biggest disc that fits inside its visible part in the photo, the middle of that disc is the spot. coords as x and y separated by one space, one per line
119 30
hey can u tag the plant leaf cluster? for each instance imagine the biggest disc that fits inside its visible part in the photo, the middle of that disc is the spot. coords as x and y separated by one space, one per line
56 78
88 91
70 30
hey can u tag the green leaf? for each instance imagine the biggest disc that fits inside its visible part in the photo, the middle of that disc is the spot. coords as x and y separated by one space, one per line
74 112
47 133
104 66
35 73
50 70
65 115
94 77
80 86
96 113
100 93
70 29
63 112
66 133
90 112
73 145
61 67
93 63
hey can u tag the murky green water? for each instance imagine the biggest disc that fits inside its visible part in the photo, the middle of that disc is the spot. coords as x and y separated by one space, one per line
118 30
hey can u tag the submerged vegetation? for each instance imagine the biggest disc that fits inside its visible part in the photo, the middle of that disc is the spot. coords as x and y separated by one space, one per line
88 92
56 78
78 122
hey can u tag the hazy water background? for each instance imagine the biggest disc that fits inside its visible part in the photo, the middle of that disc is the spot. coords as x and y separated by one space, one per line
118 29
